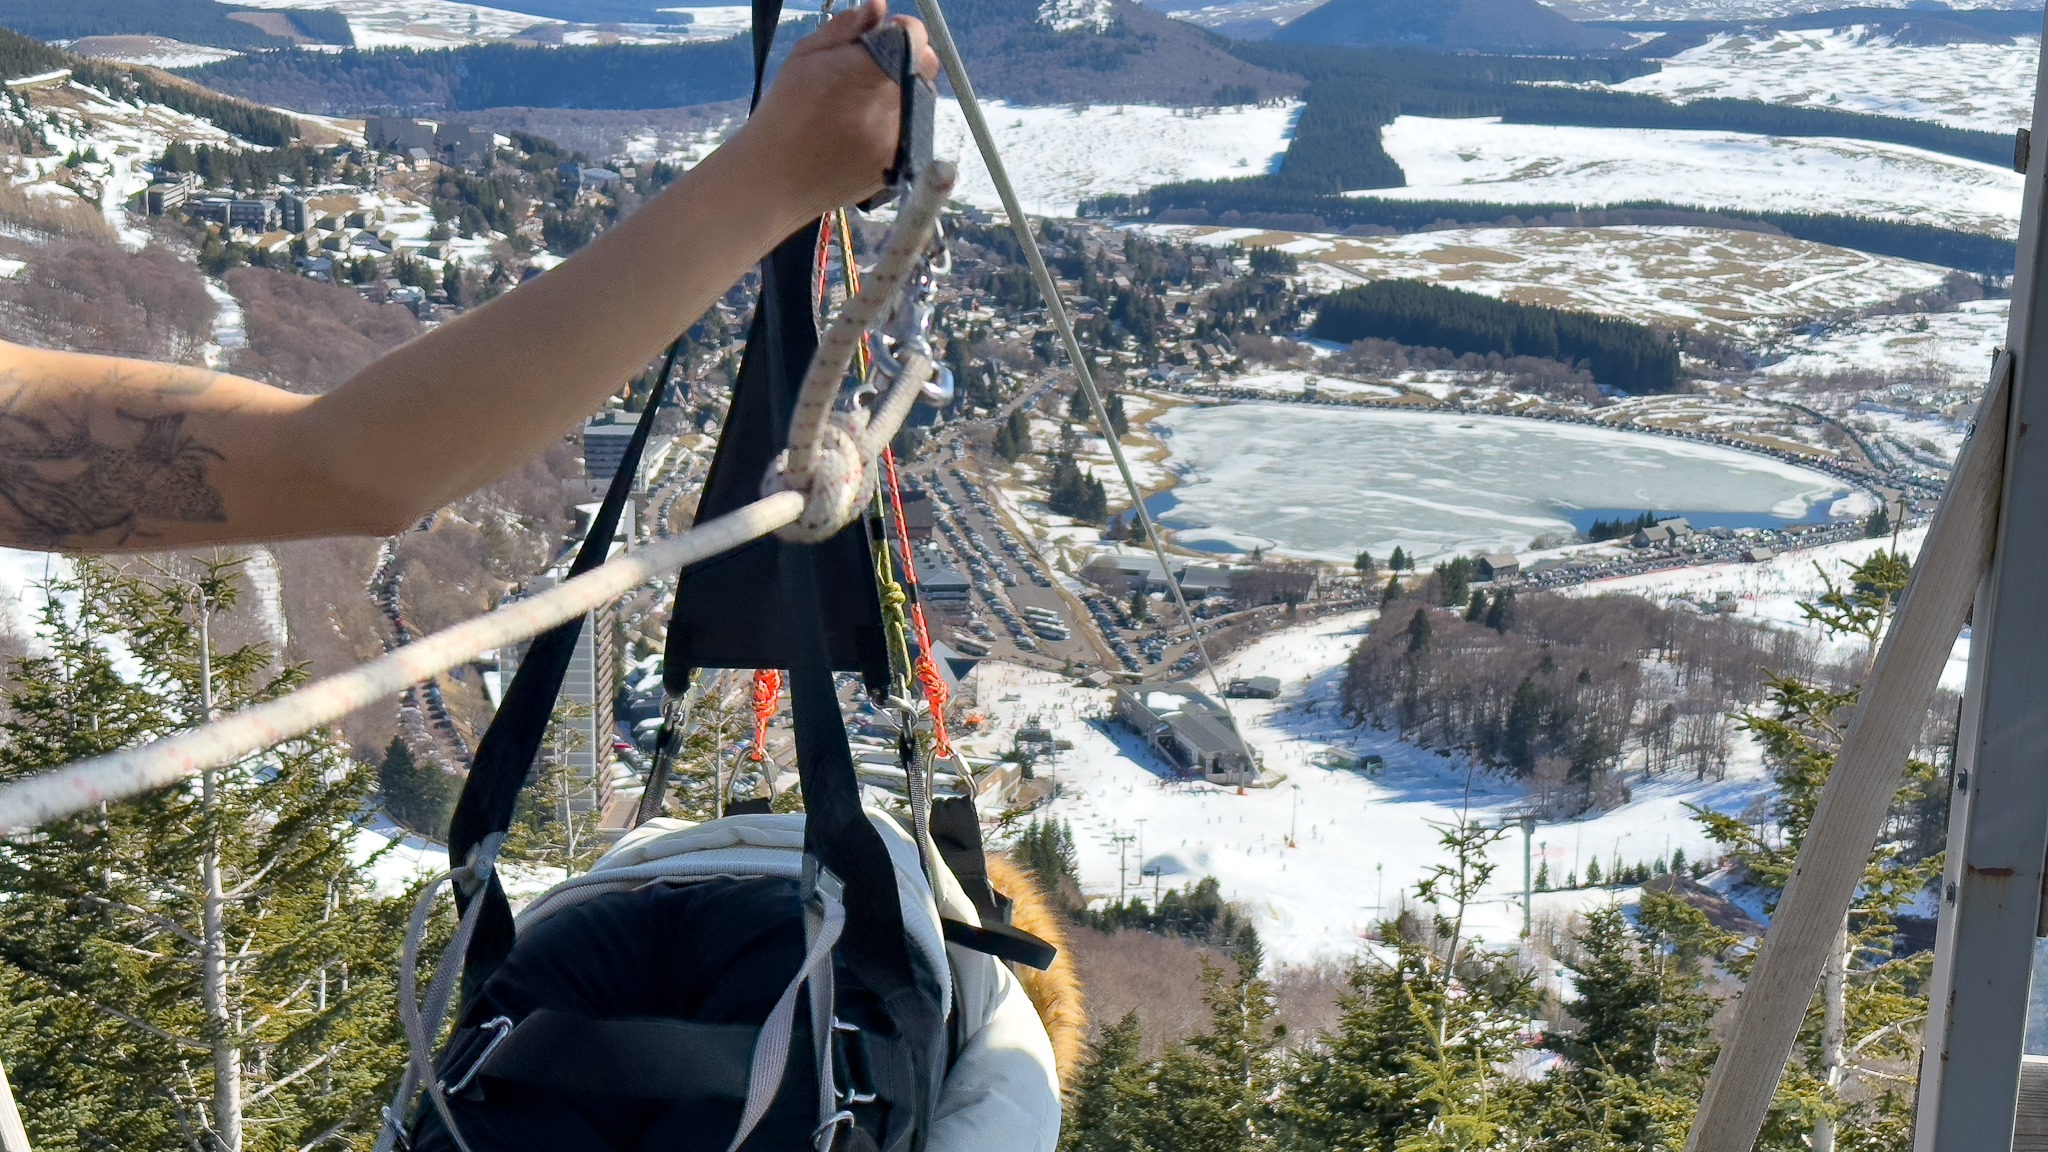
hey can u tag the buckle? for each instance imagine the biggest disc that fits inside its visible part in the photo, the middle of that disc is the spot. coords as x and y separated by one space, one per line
502 1027
822 1136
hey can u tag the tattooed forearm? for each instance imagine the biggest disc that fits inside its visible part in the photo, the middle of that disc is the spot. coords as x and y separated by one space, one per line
72 487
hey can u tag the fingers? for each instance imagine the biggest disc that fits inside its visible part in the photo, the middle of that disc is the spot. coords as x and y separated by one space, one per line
850 23
920 47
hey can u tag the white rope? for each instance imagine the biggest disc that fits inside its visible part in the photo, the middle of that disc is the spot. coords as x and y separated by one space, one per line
985 142
122 775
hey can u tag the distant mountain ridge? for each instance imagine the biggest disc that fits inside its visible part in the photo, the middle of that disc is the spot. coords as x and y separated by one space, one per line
1451 25
1110 51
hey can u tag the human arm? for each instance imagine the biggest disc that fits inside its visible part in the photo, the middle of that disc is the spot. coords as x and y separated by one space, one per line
101 453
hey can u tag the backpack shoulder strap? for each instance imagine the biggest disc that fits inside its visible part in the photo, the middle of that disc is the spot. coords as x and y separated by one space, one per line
505 754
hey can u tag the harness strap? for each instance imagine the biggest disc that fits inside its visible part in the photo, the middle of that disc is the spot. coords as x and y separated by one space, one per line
505 754
1001 941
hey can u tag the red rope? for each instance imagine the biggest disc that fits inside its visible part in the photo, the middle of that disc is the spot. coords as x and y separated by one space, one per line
767 692
927 673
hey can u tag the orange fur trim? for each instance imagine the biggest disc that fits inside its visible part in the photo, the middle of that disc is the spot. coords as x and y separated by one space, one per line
1055 992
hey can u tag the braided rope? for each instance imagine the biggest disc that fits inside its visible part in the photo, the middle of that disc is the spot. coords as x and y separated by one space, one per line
767 693
86 784
893 597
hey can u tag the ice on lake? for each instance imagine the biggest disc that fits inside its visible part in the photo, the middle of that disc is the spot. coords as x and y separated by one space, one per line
1326 482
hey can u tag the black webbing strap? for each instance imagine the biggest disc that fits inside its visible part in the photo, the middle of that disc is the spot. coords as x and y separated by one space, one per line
645 1059
1002 942
505 755
956 832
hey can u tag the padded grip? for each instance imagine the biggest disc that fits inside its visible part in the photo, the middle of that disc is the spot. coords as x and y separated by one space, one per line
889 46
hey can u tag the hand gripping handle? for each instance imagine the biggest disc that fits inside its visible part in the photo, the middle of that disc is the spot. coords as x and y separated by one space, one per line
889 45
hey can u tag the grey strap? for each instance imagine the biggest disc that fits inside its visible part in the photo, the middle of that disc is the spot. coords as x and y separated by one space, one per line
771 1050
422 1022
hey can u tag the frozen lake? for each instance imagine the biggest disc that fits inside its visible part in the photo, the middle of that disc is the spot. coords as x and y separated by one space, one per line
1326 482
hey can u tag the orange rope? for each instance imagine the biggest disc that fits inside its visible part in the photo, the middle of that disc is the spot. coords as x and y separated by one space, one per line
926 672
767 692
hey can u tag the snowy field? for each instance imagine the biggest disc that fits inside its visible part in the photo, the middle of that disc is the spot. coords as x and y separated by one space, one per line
1324 483
1847 69
1742 282
1361 844
418 23
1959 344
1733 9
154 51
447 23
1052 162
1484 159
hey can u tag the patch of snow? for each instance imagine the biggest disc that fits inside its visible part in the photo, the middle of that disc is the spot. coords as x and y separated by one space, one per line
1074 15
1057 156
1359 845
1484 159
1959 344
1850 70
1747 283
1729 9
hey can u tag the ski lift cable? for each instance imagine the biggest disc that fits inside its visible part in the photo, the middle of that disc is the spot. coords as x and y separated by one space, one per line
956 73
121 775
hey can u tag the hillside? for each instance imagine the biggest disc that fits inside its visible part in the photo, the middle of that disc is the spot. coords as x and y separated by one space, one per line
1452 25
1116 52
426 82
190 21
1129 54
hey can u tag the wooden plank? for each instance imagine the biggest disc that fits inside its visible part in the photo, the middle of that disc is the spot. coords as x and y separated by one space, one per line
1859 791
2030 1128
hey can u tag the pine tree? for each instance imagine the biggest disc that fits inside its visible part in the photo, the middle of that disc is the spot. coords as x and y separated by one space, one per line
1543 877
1501 616
209 966
1415 1063
1454 579
1363 565
1525 716
1399 561
1418 631
1357 1087
419 796
1118 421
1592 873
1111 1107
1212 1091
1392 591
1678 861
1476 610
1644 1045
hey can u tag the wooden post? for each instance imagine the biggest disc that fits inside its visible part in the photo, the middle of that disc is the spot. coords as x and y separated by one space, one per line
1859 790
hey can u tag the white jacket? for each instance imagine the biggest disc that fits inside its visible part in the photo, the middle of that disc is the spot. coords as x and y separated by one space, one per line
1002 1094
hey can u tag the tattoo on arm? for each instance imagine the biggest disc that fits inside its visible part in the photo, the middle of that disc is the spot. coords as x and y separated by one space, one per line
70 487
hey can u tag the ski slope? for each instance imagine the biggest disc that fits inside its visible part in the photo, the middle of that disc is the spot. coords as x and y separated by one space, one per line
1850 70
1056 156
1484 159
1361 844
